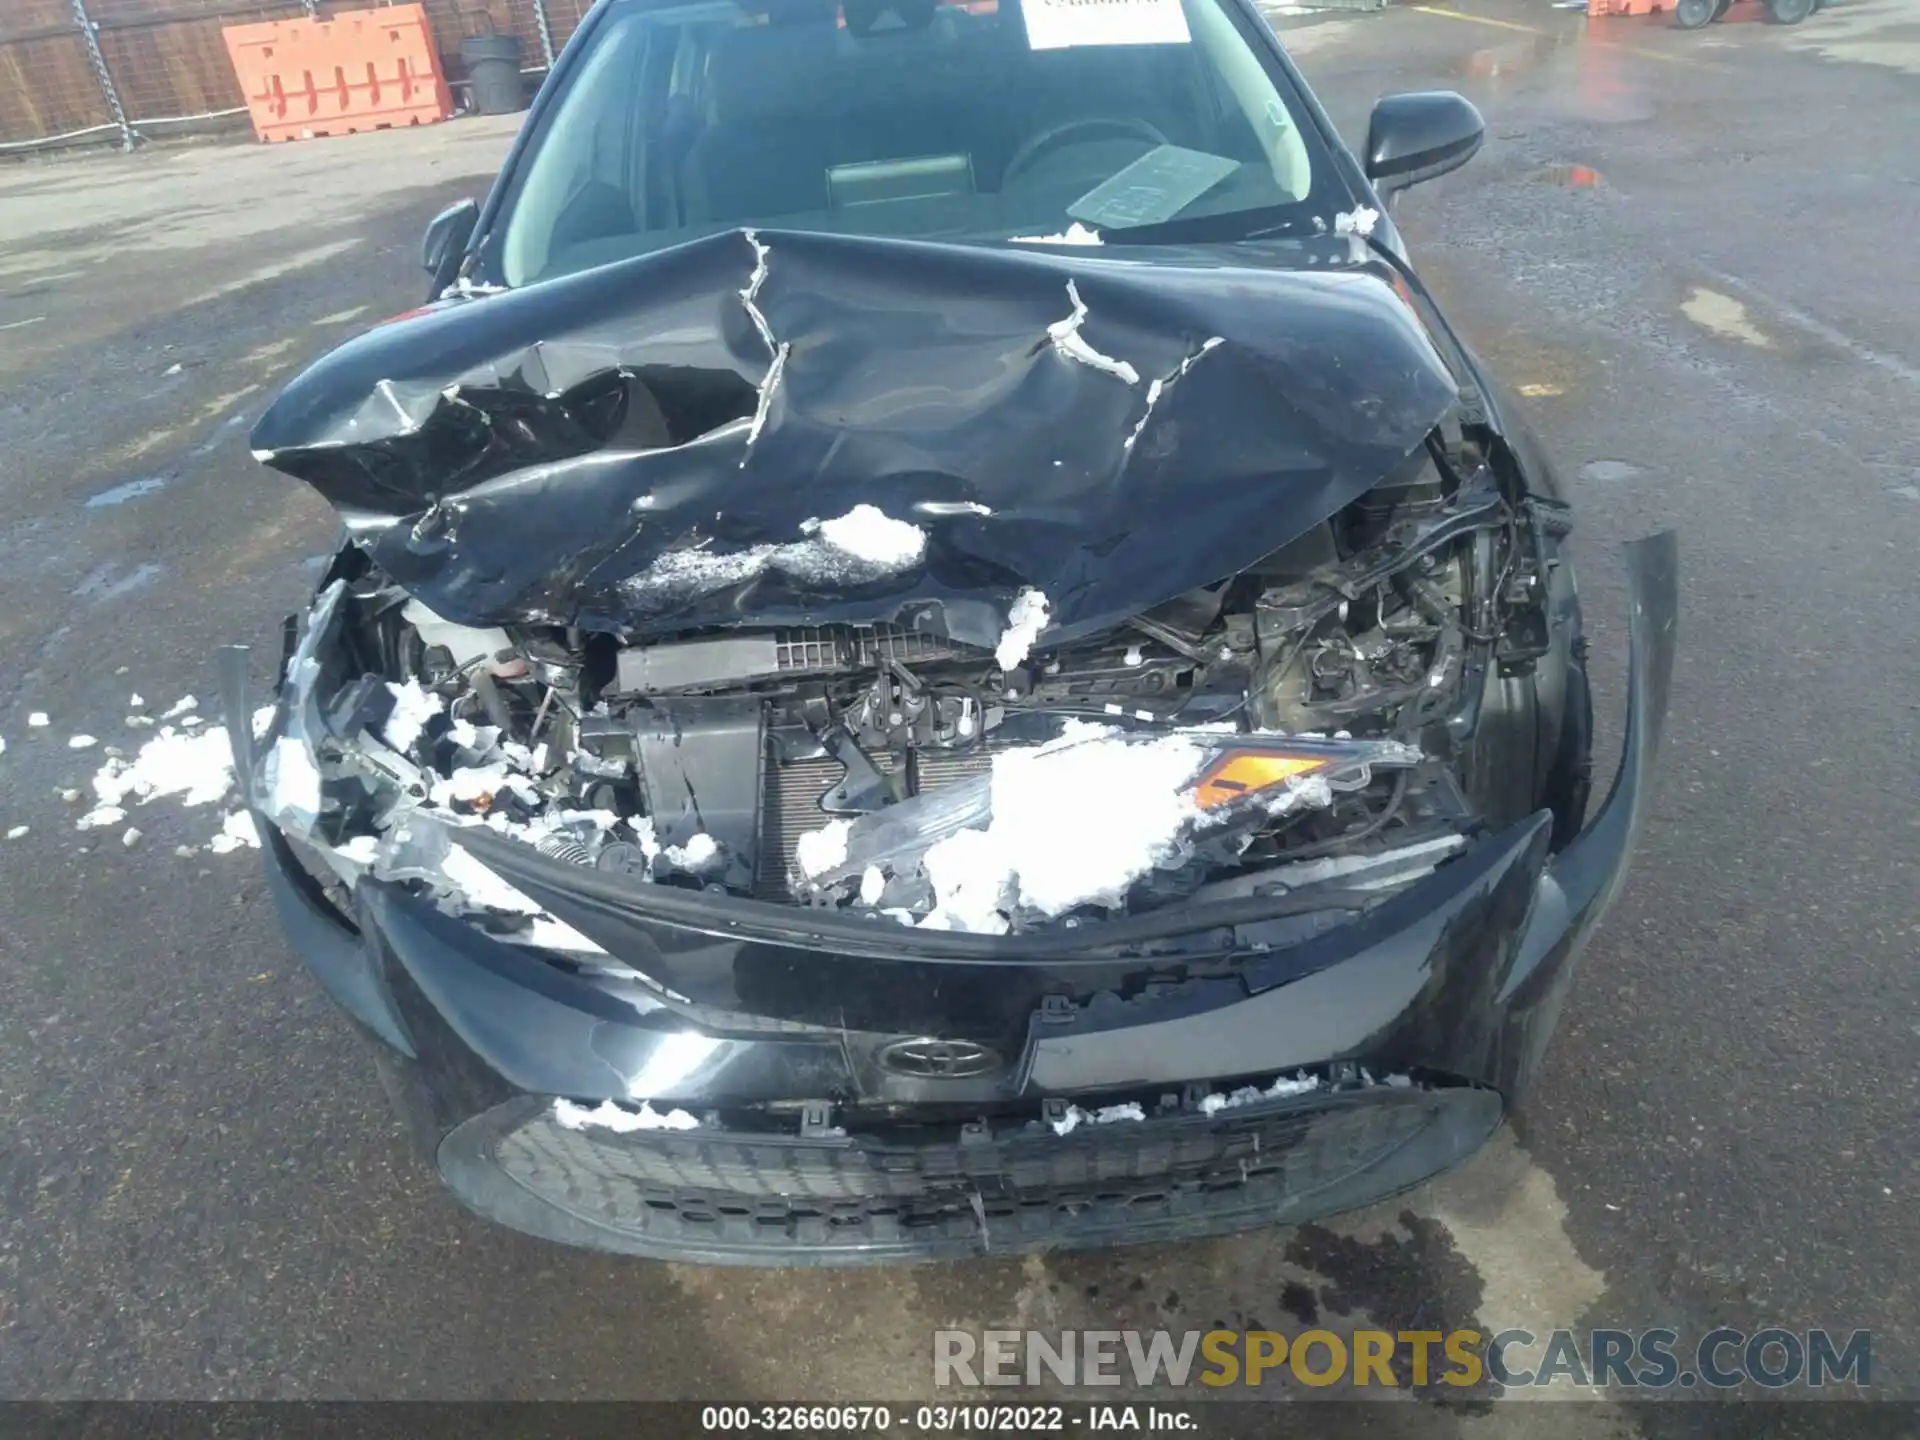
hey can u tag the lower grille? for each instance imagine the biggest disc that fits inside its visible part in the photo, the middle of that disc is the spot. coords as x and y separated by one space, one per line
712 1196
792 803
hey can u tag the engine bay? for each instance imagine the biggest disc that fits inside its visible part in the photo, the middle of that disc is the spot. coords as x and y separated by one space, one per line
1307 720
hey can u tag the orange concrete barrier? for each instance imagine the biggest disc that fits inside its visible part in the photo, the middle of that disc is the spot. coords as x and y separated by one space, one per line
360 70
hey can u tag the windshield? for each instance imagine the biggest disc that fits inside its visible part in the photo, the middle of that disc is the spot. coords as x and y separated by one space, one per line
1138 120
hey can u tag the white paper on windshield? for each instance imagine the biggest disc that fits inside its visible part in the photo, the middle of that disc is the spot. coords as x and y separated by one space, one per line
1153 189
1064 24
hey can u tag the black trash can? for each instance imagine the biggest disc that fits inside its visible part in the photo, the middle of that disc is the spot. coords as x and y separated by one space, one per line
493 73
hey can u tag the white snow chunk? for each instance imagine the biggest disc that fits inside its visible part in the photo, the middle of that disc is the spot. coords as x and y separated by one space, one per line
70 796
1105 1115
1281 1089
131 838
546 933
1131 807
868 533
1072 345
471 783
623 1121
750 297
180 707
17 831
101 816
361 849
3 744
696 855
1074 234
139 722
1163 383
38 720
195 769
236 832
483 888
136 701
1026 618
412 708
970 885
768 387
1356 222
291 780
1134 656
863 545
819 851
873 884
262 721
82 742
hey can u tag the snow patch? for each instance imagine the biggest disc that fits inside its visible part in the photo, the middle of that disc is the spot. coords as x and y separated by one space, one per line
1130 808
237 832
1026 618
1356 222
38 720
291 781
864 545
483 889
360 850
413 707
180 707
869 534
1074 234
17 831
619 1119
1070 344
873 884
82 742
1281 1089
1075 1117
195 769
699 853
819 851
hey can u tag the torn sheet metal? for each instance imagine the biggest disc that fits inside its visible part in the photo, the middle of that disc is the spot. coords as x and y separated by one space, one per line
535 457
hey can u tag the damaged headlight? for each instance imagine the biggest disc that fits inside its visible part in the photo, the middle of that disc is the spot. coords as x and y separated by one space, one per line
1077 822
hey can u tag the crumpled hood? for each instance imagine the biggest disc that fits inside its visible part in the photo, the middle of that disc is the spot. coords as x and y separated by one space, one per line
1111 431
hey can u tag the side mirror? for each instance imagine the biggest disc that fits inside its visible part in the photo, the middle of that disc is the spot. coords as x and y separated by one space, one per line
445 243
1418 135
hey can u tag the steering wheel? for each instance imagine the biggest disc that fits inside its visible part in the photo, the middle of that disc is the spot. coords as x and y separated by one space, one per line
1028 154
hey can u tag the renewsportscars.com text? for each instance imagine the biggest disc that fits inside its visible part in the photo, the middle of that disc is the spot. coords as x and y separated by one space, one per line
1654 1359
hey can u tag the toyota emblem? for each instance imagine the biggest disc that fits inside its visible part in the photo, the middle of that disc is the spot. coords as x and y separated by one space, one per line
925 1058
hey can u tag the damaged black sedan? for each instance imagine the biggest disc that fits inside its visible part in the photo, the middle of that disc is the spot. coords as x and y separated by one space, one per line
938 651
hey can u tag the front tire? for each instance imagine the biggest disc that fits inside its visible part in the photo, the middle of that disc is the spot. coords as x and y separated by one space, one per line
1789 12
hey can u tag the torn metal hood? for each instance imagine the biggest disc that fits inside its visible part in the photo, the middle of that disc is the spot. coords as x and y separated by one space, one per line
644 447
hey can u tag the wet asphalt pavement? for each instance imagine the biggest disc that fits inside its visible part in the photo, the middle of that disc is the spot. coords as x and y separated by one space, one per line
201 1190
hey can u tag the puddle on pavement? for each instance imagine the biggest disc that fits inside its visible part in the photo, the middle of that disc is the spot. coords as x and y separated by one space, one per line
1724 316
1574 177
128 490
1593 82
222 432
106 583
1608 470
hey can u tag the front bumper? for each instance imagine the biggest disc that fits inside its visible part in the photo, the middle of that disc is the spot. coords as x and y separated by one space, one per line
829 1135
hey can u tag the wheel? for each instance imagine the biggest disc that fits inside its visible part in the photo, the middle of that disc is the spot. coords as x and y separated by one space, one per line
1726 5
1692 14
1789 12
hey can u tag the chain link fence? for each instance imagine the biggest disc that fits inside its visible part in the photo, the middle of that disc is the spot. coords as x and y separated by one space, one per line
90 72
